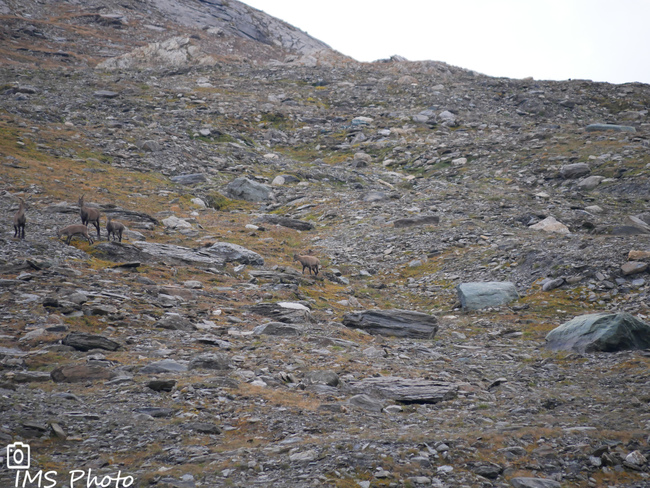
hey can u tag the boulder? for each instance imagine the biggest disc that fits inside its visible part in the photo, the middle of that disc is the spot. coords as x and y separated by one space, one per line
406 390
590 182
210 361
638 223
633 267
607 332
164 366
550 224
396 323
286 222
416 221
329 378
86 342
245 189
277 329
77 373
476 296
228 252
285 312
534 483
175 321
610 127
191 179
575 170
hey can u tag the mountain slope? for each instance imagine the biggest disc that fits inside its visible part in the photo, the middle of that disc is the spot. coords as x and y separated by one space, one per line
54 33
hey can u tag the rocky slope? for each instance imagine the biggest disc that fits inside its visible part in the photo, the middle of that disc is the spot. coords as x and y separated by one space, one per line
194 352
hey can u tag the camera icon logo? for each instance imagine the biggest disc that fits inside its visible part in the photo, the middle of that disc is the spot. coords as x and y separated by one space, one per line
18 456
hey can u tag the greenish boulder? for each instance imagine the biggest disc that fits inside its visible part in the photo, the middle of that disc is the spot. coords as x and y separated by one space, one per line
476 296
606 332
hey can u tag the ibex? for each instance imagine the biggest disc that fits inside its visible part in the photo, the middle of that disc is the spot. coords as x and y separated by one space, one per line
20 220
89 215
73 230
115 228
309 262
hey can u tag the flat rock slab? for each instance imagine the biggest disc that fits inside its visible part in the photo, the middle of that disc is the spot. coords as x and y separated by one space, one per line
191 179
476 296
534 483
612 127
148 252
607 332
164 366
285 312
86 342
227 252
395 323
277 329
82 372
416 221
286 222
406 390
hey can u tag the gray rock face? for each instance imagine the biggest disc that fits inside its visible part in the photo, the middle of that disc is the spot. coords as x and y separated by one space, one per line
236 18
396 323
607 332
476 296
245 189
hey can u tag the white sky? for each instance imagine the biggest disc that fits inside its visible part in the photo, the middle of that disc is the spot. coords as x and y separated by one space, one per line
599 40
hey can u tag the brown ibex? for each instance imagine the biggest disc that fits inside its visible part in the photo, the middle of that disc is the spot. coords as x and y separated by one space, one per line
115 228
73 230
309 262
20 220
89 215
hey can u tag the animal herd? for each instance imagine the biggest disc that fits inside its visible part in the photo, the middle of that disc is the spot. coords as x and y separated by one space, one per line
88 215
115 229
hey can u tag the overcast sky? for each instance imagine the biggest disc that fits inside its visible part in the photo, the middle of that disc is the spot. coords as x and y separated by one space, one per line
600 40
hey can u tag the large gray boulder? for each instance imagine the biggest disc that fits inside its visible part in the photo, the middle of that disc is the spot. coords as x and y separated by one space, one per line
575 170
85 342
476 296
396 323
607 332
534 483
406 390
249 190
228 252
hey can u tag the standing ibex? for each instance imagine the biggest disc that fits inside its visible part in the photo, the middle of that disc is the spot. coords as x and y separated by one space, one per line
20 220
73 230
115 228
309 262
89 215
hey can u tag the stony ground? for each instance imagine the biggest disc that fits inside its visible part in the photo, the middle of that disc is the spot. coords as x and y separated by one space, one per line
183 391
